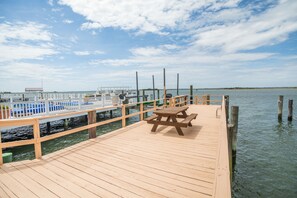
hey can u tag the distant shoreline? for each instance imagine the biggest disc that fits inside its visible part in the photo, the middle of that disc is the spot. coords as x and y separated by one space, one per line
224 88
236 88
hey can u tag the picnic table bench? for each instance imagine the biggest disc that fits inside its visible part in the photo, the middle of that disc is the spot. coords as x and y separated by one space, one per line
171 114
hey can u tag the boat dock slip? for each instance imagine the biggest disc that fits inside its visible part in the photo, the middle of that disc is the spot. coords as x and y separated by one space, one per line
132 162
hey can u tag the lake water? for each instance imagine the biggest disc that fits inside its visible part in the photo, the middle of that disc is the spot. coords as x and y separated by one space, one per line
266 159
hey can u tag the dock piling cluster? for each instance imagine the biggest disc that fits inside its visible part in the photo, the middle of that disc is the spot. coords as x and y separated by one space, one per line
280 103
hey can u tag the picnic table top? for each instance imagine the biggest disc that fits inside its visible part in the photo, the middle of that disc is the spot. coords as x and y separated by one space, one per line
170 110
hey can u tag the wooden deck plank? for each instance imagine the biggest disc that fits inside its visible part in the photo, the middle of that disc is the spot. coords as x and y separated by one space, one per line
136 172
201 164
117 185
130 178
17 188
130 162
57 189
27 181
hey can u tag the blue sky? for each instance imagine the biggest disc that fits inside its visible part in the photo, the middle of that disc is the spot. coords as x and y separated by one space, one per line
83 45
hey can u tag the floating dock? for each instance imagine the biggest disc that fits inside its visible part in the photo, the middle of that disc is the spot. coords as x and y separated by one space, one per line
129 162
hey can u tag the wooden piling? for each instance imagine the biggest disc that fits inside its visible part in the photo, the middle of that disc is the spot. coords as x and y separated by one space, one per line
66 122
230 138
48 127
234 121
290 110
191 94
92 120
137 91
227 107
154 87
280 107
164 82
123 115
177 85
207 99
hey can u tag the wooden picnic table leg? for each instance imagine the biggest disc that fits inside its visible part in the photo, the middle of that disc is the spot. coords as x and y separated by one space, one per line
179 131
156 124
184 114
168 119
190 124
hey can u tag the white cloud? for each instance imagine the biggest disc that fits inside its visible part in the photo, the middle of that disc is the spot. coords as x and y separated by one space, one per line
147 51
50 2
81 53
25 40
9 53
24 31
67 21
269 28
154 51
86 53
142 16
15 70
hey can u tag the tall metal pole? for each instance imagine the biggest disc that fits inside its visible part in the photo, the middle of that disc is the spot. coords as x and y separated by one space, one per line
137 92
177 84
164 81
154 87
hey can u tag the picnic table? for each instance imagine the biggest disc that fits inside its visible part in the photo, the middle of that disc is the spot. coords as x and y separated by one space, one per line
171 114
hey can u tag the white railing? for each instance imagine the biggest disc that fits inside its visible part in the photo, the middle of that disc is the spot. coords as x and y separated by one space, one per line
21 109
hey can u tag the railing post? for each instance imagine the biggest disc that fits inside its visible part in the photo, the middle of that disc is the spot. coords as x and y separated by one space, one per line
191 94
79 102
155 105
141 111
196 100
173 101
92 120
123 115
46 106
37 144
1 158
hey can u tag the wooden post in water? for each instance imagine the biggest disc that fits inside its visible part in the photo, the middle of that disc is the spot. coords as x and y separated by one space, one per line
143 95
191 94
230 137
48 127
290 110
92 120
123 115
227 107
137 92
280 108
234 121
177 85
164 82
154 87
207 99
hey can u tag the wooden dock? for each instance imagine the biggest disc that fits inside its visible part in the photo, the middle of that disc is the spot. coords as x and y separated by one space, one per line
132 162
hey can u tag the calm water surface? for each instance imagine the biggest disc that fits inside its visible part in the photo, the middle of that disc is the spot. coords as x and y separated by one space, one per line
266 162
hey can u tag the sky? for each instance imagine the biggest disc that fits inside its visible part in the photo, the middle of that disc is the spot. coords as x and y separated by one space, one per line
75 45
